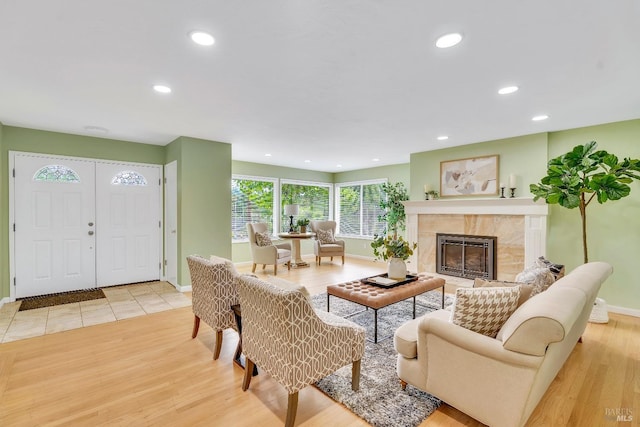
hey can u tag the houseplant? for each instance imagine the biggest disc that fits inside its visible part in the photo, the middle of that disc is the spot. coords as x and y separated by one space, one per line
578 177
302 224
389 246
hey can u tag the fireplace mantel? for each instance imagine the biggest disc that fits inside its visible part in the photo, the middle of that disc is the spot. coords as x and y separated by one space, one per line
532 217
495 206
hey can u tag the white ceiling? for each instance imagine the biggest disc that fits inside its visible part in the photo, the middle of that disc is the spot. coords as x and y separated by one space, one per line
333 81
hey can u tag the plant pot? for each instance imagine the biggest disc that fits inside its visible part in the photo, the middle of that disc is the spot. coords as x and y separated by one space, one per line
303 228
397 269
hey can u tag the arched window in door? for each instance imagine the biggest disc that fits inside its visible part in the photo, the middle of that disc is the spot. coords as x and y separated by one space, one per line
128 178
56 173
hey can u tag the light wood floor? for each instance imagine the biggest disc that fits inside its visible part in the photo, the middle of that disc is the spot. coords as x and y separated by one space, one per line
147 371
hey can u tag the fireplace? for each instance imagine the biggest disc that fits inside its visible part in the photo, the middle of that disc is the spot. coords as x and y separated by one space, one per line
466 256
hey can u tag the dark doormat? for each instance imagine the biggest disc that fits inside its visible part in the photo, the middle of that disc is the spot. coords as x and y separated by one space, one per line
30 303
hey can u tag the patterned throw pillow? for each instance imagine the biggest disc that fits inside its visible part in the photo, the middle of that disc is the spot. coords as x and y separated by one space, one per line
484 310
540 277
526 289
325 236
263 239
556 269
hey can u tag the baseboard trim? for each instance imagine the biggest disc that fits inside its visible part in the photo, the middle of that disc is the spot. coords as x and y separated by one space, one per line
624 310
6 300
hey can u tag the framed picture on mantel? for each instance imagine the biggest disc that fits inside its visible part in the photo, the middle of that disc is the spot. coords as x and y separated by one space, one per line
475 176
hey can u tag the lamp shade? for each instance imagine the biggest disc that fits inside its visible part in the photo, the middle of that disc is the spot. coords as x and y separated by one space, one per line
291 210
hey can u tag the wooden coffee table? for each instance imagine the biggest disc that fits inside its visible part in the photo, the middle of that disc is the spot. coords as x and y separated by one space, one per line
376 297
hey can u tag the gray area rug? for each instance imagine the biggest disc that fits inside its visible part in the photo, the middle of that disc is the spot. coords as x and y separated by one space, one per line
380 401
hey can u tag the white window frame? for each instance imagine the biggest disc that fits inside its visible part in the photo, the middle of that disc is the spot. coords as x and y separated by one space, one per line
276 200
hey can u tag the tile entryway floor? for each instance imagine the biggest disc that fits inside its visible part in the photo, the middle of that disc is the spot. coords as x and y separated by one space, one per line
121 302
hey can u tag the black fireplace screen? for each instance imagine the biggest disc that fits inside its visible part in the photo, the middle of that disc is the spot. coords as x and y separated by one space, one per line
466 256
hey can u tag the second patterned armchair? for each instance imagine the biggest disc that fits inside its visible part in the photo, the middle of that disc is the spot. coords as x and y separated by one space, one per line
284 336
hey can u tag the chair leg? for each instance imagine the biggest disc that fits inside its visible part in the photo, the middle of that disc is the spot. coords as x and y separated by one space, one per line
580 339
292 408
216 352
253 269
196 326
275 269
319 260
264 266
403 384
331 259
248 371
355 375
289 266
342 259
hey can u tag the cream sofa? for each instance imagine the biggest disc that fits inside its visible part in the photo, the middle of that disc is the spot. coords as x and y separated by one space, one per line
499 381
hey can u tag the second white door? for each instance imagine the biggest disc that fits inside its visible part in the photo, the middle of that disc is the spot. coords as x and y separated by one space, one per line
129 225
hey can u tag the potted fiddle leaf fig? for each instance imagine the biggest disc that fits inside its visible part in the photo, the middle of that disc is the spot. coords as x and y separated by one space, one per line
583 175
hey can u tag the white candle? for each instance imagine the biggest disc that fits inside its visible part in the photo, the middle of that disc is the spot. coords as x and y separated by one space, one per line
502 185
512 181
427 188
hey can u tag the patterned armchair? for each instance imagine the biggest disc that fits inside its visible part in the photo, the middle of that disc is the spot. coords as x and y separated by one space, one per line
295 344
325 243
263 251
213 292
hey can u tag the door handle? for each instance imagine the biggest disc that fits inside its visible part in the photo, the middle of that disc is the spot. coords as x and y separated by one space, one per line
90 224
90 233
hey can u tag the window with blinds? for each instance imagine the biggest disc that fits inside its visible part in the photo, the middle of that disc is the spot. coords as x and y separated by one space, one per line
252 200
358 208
313 199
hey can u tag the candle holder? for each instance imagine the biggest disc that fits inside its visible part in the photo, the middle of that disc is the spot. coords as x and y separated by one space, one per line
426 196
502 192
513 192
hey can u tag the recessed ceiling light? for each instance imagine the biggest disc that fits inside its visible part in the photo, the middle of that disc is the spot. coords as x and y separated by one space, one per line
443 138
202 38
267 155
508 89
338 166
307 161
540 117
375 160
162 89
448 40
96 129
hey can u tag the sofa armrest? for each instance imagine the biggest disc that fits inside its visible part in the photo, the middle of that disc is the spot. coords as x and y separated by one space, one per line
470 341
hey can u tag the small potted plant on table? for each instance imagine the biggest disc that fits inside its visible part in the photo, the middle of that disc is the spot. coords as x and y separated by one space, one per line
302 224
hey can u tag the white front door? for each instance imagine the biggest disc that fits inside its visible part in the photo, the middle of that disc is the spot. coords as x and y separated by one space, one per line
54 225
171 222
130 228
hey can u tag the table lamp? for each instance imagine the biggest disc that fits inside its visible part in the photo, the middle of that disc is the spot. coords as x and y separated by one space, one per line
290 211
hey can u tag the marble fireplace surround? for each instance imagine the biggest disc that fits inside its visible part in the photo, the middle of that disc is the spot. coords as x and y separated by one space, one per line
520 224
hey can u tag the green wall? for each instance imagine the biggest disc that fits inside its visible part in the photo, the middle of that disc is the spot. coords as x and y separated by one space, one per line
241 251
523 156
393 173
204 199
613 228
